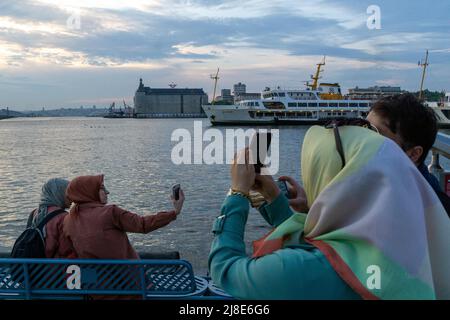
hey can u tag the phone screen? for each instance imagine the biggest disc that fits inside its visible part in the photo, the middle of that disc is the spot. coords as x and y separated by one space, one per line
259 140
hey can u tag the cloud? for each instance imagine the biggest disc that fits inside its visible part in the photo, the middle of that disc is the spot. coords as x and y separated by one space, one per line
257 41
440 50
389 43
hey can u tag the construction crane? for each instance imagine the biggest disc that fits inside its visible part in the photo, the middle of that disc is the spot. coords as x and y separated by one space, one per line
215 78
424 65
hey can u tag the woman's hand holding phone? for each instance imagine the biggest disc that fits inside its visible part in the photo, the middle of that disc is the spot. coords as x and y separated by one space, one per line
297 194
178 203
242 172
265 185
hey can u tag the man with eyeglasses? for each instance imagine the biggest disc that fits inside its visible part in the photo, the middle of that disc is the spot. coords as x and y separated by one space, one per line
404 119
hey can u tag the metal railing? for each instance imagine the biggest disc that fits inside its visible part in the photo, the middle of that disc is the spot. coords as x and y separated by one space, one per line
78 279
441 147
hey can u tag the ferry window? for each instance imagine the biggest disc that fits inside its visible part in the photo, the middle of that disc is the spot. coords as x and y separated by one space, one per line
353 105
292 105
343 105
275 94
274 105
363 105
323 104
302 104
312 104
282 94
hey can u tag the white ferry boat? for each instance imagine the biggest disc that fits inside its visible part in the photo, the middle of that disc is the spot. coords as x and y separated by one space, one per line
316 103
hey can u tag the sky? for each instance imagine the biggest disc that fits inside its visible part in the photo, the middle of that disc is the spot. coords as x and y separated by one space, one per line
69 53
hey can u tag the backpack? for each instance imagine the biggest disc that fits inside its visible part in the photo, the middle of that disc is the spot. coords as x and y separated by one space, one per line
31 243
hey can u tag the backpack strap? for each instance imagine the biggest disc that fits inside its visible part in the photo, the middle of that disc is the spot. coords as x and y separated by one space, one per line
49 217
30 219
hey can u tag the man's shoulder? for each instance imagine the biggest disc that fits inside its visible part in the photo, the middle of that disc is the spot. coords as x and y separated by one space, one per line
432 180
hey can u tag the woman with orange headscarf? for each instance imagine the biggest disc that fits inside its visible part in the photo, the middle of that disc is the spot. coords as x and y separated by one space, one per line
99 230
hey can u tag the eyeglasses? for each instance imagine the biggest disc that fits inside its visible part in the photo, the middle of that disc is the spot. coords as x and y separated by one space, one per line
336 123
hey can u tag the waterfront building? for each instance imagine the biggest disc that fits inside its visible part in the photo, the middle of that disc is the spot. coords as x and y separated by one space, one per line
372 93
225 96
165 102
239 88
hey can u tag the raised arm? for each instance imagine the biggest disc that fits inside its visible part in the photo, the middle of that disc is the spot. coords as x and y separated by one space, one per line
288 273
276 212
275 209
284 274
132 222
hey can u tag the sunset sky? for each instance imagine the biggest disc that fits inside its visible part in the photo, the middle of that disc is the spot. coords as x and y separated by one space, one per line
48 60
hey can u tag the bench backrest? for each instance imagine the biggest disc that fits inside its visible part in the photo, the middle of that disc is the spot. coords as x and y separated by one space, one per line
75 279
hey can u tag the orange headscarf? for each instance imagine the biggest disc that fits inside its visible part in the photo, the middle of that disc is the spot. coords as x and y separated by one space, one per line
84 189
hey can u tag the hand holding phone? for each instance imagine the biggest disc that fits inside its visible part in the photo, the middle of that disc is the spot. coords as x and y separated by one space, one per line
297 200
177 198
176 191
283 188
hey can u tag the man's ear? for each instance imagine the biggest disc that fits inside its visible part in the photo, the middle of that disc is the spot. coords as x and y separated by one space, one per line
415 153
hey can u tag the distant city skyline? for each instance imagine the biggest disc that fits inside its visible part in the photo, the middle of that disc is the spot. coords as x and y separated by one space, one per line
70 53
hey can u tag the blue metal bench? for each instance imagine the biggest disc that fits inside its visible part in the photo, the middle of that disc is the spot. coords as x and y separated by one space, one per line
81 279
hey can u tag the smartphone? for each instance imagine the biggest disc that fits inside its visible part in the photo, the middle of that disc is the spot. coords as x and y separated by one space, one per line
257 142
283 187
176 191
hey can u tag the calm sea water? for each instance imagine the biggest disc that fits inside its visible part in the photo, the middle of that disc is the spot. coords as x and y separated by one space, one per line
135 156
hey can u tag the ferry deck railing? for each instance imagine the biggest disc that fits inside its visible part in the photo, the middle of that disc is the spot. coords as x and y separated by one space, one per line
85 279
441 147
158 275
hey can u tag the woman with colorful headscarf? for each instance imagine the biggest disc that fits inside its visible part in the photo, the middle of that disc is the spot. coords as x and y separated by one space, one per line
53 198
374 228
98 230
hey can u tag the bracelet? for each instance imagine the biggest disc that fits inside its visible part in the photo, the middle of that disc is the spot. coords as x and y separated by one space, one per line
239 193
